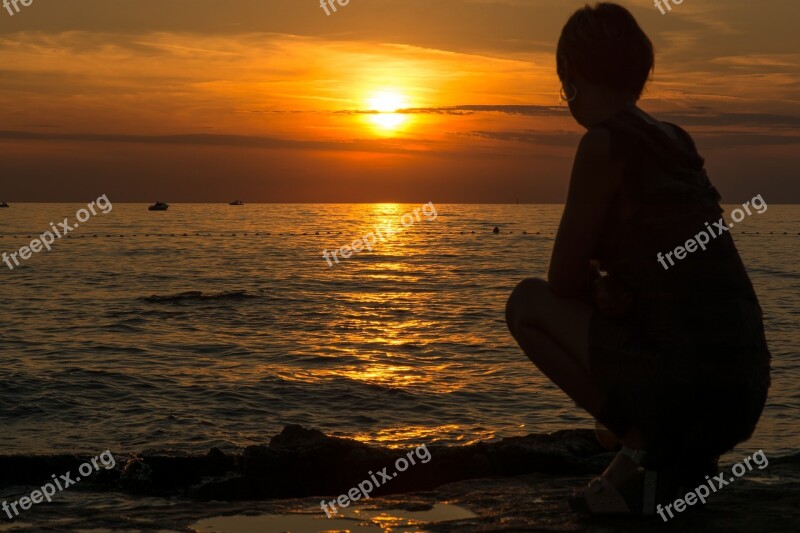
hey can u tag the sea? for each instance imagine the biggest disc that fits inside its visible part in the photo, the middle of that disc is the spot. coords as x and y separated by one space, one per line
216 325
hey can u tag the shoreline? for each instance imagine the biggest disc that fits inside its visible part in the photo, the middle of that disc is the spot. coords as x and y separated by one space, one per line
518 483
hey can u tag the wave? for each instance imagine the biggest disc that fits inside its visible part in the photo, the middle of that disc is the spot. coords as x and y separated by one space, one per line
199 296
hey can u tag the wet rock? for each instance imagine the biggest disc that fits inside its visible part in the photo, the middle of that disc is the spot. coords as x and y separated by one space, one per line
301 462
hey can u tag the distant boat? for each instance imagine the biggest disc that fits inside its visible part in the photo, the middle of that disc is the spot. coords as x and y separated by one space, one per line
3 204
236 202
159 206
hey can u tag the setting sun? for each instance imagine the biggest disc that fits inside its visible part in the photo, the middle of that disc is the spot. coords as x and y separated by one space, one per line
384 106
387 102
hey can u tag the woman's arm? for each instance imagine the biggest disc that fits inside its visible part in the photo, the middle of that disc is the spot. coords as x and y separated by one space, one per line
593 185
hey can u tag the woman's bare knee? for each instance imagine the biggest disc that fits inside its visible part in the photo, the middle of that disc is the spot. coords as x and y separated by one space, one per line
532 306
527 302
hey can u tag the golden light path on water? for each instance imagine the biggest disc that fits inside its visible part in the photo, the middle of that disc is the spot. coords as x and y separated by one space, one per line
422 434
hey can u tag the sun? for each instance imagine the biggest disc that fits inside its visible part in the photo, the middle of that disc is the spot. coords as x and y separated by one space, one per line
386 102
383 106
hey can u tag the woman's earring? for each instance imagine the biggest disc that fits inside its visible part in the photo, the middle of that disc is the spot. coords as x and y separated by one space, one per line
570 98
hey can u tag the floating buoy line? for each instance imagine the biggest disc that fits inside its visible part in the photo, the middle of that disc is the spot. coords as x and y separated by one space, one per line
494 231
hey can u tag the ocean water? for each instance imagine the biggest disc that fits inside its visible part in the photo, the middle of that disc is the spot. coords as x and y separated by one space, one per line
213 325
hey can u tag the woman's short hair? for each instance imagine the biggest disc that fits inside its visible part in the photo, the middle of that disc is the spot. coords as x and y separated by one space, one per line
605 45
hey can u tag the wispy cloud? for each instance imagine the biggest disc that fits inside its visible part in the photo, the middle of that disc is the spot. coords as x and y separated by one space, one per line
199 139
461 110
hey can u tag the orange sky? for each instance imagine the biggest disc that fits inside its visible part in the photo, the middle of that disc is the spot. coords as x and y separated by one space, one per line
202 100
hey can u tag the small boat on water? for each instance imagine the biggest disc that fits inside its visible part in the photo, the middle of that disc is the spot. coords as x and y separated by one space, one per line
3 204
236 202
159 206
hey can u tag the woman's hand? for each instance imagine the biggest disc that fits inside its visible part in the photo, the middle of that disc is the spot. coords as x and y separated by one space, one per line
593 273
610 298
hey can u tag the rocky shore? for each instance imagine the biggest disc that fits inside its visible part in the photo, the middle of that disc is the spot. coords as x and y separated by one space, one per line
516 484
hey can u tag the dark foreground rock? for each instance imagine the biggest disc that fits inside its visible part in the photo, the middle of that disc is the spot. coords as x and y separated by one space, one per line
300 462
517 484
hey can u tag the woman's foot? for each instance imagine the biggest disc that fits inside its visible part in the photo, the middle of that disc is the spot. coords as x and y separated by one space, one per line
623 468
624 488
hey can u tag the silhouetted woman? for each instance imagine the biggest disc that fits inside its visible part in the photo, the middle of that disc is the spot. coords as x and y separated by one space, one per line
672 360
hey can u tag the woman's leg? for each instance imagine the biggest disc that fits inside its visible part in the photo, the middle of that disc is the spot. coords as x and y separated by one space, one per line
554 334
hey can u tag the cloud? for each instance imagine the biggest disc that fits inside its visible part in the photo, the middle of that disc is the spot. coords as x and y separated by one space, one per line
725 139
460 110
558 138
706 117
201 139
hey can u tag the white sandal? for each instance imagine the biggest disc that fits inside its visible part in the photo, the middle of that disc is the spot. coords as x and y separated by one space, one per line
636 496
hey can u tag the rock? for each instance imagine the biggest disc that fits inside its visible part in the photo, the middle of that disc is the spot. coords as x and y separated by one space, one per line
300 462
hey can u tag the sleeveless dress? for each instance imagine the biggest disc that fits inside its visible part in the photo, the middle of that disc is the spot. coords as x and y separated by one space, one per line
686 362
